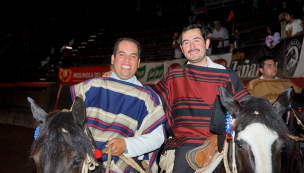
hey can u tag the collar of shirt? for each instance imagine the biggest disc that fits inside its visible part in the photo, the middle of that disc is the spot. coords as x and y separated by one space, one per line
206 65
132 80
262 77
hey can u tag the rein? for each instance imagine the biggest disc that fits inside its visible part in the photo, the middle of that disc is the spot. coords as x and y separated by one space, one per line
129 161
299 122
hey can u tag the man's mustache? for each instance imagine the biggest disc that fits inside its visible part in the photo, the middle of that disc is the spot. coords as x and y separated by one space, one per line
193 50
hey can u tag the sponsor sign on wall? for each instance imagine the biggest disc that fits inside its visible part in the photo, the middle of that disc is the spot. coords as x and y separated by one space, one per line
80 74
150 73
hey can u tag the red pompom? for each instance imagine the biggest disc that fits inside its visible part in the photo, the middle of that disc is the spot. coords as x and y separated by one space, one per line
98 154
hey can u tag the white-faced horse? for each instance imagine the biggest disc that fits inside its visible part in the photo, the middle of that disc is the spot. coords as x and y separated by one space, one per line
259 133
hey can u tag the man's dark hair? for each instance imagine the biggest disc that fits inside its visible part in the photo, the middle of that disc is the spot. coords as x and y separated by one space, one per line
263 59
203 30
126 39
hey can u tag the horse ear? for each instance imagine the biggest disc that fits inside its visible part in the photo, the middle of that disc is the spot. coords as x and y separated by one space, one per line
38 113
79 112
228 102
282 102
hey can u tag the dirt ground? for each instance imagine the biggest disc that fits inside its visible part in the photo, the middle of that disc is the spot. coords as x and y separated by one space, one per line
15 143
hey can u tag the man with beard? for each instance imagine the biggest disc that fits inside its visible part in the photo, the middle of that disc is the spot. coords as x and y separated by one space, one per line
188 106
269 85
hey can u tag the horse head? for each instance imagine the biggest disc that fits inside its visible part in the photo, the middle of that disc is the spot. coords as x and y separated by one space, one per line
64 142
260 132
293 154
297 106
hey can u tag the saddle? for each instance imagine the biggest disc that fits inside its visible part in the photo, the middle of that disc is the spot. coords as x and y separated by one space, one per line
206 157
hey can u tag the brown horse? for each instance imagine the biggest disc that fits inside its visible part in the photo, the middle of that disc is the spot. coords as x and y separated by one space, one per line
259 136
64 143
293 153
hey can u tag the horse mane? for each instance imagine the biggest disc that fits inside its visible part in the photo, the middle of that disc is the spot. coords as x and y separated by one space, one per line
266 115
52 141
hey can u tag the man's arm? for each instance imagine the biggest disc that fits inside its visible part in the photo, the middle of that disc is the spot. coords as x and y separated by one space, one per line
139 145
175 45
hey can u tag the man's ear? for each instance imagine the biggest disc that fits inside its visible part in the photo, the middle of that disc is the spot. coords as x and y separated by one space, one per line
207 43
181 48
112 59
138 63
261 70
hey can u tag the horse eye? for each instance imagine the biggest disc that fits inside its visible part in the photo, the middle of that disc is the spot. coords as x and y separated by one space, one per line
78 160
238 144
299 110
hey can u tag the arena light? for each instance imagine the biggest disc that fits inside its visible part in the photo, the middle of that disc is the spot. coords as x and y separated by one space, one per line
91 40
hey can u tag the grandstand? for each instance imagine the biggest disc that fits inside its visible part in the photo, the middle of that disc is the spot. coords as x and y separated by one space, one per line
93 44
92 38
90 29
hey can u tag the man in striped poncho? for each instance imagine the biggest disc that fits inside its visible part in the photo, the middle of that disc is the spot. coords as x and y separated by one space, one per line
188 93
124 112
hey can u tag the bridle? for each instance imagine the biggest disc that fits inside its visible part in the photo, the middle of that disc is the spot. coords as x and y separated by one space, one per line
229 135
299 122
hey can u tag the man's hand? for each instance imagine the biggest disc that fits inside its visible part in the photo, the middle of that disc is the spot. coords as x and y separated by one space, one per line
119 146
271 46
107 74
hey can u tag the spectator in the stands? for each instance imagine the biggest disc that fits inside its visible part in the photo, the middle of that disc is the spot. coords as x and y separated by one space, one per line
282 19
220 42
269 85
209 37
295 26
238 39
195 8
203 13
256 6
273 37
177 53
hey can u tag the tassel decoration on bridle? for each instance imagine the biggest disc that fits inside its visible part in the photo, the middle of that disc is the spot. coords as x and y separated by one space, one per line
229 135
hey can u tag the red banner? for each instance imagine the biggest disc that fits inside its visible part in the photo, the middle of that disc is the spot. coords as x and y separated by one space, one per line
80 74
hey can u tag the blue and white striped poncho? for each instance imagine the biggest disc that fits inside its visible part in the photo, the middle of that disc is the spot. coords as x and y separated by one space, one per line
118 109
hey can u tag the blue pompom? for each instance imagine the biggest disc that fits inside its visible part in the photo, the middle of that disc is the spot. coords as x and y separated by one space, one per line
36 132
228 123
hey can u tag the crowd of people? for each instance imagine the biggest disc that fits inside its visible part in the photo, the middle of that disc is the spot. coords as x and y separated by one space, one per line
289 19
139 133
136 119
174 114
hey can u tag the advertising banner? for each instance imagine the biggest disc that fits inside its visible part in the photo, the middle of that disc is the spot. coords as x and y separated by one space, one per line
223 59
288 55
150 73
168 65
80 74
